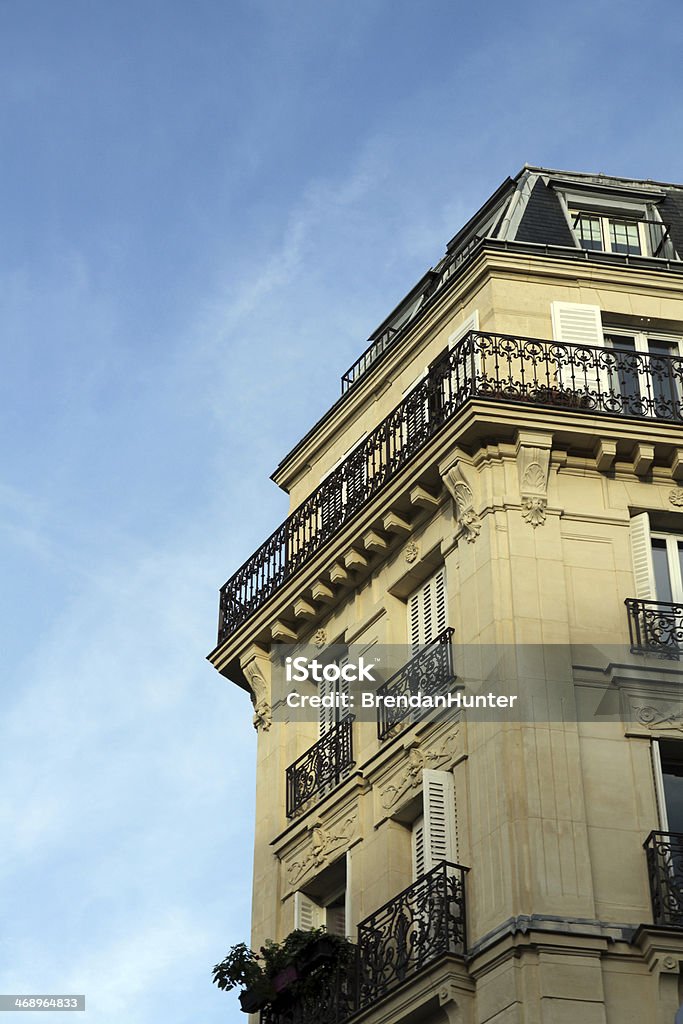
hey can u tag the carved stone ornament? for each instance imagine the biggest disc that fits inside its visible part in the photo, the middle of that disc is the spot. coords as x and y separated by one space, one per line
411 776
320 637
263 713
533 463
662 720
411 551
533 510
676 496
463 500
322 844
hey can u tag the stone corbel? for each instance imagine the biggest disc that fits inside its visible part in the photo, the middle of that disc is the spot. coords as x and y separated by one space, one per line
459 489
533 463
256 667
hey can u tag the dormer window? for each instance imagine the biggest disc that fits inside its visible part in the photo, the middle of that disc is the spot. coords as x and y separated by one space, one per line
622 220
608 233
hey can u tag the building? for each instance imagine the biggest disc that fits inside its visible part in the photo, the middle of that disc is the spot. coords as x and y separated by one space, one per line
502 472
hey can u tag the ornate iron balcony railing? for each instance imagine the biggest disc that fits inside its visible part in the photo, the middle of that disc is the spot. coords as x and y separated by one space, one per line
419 926
368 358
655 627
321 766
493 367
428 673
664 851
331 999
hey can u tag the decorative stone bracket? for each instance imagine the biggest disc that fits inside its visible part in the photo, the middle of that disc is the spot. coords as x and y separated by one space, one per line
533 462
467 518
256 667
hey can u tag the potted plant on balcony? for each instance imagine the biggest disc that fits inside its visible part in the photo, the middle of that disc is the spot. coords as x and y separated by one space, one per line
282 970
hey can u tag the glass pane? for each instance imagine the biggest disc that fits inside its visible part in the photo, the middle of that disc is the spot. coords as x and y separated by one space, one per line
624 380
673 795
660 564
624 237
589 230
672 774
660 372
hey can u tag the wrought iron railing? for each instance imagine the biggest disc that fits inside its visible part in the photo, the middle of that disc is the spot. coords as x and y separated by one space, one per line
495 367
419 926
664 851
655 627
321 767
428 673
328 998
368 358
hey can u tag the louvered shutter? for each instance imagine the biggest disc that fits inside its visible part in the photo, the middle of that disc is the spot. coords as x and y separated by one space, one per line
325 714
427 611
439 817
418 840
471 369
307 913
579 324
434 837
335 920
470 324
641 553
329 717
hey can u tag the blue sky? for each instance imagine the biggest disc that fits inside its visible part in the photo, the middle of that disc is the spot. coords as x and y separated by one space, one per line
206 208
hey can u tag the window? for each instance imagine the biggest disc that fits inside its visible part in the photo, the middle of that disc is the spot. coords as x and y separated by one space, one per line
668 762
427 611
634 232
648 385
325 902
657 562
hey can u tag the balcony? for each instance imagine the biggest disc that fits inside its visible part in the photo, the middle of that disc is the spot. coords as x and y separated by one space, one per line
416 929
330 1000
421 925
321 767
664 851
428 673
655 627
490 367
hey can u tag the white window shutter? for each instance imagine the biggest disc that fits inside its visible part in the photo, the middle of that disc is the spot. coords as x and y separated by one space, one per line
576 323
307 914
641 553
470 324
335 920
427 611
439 817
418 836
326 714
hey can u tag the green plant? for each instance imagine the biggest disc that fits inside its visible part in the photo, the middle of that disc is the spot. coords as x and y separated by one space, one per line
255 972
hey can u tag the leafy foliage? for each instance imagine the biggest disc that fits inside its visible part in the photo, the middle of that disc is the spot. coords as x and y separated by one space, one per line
255 971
